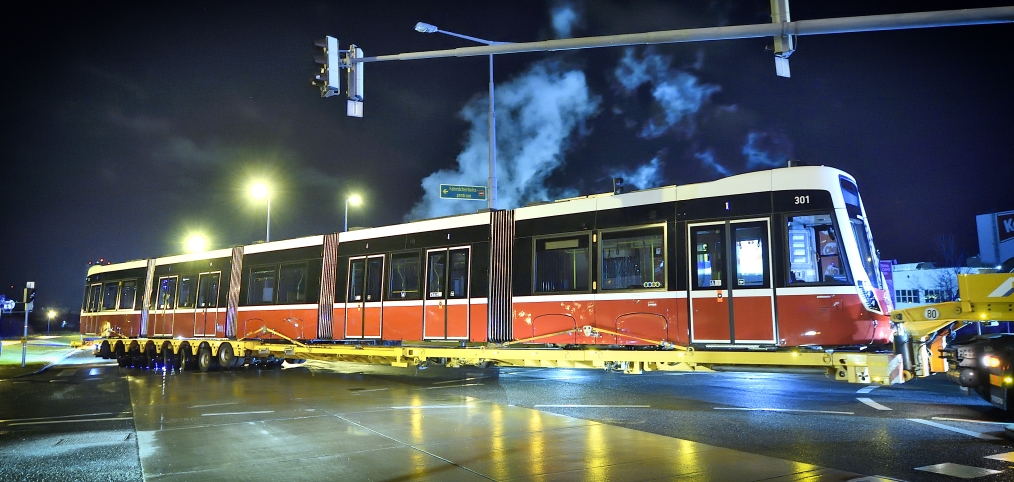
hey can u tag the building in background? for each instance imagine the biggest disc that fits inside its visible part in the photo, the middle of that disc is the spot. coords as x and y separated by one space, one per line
996 240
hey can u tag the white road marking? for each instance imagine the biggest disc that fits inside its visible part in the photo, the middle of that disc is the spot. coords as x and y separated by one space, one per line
370 390
954 429
61 416
591 406
868 389
873 404
410 407
67 373
236 413
71 421
453 386
969 421
832 412
461 380
213 405
1005 457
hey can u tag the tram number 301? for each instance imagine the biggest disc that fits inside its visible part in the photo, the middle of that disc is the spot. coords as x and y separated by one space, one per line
802 199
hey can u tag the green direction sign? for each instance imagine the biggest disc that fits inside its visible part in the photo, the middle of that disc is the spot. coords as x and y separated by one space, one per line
469 193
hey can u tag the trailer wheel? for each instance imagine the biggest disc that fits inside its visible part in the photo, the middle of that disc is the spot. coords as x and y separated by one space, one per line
135 359
187 360
151 358
104 351
121 357
226 357
169 360
204 358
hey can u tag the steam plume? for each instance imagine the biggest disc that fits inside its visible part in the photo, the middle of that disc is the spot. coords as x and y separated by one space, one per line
537 113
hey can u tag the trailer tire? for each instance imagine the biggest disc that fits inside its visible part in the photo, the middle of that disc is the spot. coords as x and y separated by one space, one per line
187 360
226 357
121 357
104 351
151 358
204 358
169 359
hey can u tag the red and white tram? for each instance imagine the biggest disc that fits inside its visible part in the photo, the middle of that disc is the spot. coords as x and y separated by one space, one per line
763 260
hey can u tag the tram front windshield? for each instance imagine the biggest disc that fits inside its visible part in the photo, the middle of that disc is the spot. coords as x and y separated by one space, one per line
867 253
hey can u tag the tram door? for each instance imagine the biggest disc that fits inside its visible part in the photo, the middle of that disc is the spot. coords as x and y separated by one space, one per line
206 309
731 298
445 307
165 306
364 307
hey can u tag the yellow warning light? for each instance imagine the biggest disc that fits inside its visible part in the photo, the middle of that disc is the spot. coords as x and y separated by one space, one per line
1008 380
795 353
876 379
991 361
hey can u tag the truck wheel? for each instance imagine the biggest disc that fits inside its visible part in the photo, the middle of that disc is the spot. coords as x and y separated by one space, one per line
104 351
121 358
204 359
226 357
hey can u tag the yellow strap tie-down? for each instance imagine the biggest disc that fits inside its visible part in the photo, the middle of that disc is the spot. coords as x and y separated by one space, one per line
590 331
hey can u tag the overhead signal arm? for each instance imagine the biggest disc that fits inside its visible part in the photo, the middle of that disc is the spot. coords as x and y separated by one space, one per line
781 29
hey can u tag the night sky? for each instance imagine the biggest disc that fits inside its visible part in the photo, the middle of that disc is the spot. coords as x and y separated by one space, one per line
126 126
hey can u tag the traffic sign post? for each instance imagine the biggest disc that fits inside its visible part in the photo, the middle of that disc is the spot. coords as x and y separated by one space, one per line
467 193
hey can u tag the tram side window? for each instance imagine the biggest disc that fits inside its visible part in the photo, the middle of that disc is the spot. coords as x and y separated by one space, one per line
814 253
94 295
292 283
262 286
404 277
633 259
127 293
110 293
188 293
457 275
166 293
709 262
561 264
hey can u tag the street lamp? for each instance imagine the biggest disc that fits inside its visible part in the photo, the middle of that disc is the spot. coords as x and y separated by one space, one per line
195 243
491 182
49 315
259 191
354 200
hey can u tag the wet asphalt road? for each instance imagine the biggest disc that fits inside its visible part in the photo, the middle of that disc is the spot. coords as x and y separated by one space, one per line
71 422
76 421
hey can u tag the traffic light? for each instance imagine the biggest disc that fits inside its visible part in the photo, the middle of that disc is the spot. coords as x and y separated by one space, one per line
784 44
29 296
354 107
328 78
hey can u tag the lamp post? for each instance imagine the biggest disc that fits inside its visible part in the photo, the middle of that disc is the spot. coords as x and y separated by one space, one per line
354 200
491 182
260 190
49 320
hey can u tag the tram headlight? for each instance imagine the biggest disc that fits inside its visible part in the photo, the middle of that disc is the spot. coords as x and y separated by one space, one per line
868 296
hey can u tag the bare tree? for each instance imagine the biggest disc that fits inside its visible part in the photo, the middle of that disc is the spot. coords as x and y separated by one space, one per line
945 280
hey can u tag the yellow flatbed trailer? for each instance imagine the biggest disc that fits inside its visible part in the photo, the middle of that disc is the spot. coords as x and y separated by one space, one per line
202 354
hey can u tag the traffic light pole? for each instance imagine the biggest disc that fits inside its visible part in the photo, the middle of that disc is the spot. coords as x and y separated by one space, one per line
29 304
870 23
